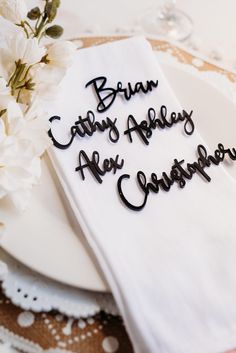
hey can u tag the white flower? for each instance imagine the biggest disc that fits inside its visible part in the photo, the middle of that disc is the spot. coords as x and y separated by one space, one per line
19 172
47 80
18 47
31 127
61 54
23 139
13 10
4 90
27 50
5 94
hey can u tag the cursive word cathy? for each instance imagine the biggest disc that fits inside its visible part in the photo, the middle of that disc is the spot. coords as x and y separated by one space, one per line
86 126
178 174
92 164
107 95
145 127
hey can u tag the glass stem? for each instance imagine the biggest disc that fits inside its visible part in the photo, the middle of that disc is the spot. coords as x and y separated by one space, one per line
167 10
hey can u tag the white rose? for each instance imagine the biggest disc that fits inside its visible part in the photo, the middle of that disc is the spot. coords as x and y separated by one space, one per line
61 54
13 10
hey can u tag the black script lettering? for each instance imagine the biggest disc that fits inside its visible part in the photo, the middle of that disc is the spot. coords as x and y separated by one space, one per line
87 126
145 127
93 165
177 174
107 95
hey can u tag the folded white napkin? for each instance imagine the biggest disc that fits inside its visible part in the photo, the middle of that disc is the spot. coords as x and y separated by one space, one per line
170 266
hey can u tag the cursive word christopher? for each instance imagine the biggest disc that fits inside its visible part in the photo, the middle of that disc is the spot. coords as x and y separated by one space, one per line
178 174
107 95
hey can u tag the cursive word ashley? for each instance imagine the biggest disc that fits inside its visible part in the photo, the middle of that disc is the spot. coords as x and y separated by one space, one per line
145 127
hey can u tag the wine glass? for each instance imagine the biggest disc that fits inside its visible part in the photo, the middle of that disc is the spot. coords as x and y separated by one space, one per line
170 22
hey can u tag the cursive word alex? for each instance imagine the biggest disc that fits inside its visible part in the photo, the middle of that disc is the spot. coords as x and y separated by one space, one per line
178 174
145 127
107 95
93 165
86 126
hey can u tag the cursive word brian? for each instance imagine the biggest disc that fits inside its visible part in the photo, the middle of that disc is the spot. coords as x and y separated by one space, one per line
107 95
178 174
145 127
86 126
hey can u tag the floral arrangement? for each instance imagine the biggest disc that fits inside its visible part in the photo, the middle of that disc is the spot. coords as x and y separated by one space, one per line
29 76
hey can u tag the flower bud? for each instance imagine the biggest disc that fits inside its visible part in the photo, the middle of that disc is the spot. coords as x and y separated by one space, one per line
54 31
34 14
57 3
51 10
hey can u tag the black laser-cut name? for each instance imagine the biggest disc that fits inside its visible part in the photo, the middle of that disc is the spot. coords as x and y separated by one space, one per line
107 95
86 126
145 127
108 165
177 174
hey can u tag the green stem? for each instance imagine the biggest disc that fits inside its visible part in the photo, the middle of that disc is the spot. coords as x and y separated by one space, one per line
19 72
18 96
22 24
40 27
27 23
16 77
20 86
37 22
25 75
42 34
12 76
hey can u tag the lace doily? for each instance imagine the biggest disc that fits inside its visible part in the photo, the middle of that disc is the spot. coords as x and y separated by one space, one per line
32 291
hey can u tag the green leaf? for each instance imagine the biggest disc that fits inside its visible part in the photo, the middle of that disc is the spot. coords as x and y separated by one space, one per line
34 14
54 31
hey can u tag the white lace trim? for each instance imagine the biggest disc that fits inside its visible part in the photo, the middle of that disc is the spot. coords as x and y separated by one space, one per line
22 344
32 291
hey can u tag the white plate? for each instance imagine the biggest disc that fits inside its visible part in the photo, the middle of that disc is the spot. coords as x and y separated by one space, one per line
44 239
